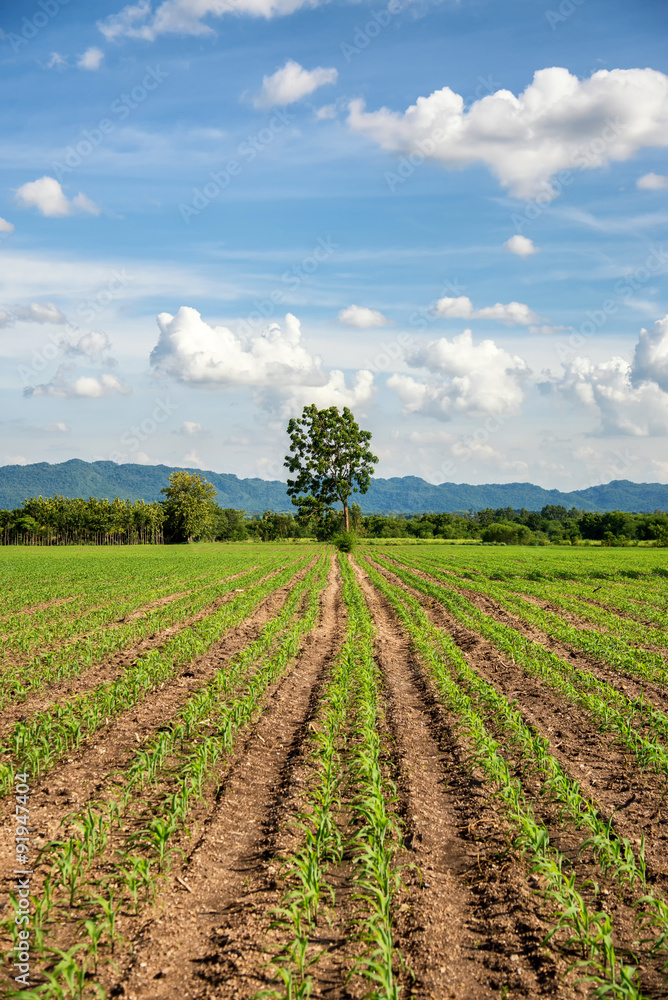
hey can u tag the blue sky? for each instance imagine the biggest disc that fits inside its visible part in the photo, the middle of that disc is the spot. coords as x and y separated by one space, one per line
449 216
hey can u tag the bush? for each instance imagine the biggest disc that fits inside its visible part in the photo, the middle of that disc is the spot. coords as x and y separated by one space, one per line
345 541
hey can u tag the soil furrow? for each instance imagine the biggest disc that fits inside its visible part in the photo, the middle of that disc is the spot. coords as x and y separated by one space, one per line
473 926
211 939
607 772
114 665
629 684
88 770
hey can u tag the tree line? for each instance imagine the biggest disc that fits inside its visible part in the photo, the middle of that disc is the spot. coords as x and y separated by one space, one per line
193 516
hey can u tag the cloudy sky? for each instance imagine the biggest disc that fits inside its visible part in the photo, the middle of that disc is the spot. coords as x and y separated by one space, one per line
449 216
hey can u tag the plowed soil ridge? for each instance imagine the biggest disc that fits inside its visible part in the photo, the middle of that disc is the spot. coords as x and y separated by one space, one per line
474 927
607 773
617 677
114 665
89 770
211 938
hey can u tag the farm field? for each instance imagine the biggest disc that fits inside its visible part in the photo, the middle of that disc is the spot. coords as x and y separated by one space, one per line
245 770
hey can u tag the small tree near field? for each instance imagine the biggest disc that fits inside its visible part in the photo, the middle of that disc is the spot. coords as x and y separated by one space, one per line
331 456
188 503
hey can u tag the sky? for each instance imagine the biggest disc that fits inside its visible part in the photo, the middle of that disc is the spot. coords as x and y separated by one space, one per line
449 216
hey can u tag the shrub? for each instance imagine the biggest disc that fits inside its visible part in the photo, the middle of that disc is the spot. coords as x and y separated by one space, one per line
345 541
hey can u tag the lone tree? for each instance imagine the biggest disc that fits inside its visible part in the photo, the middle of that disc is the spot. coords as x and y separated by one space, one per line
331 456
188 506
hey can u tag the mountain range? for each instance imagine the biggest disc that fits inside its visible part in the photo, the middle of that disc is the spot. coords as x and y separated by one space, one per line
401 495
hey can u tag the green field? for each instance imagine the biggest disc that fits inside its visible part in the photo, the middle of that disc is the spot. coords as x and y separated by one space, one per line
271 767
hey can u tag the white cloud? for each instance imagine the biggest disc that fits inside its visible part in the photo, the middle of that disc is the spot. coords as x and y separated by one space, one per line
6 319
511 313
57 428
275 362
91 345
362 317
56 61
652 182
83 387
557 123
6 227
291 83
629 398
185 17
91 58
473 378
192 459
650 360
48 197
521 246
42 312
190 427
327 112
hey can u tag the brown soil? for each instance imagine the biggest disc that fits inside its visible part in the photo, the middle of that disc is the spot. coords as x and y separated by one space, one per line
73 783
607 772
40 607
628 684
211 935
113 666
474 925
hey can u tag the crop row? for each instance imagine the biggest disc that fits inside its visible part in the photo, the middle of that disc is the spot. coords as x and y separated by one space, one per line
613 648
40 742
590 931
183 763
71 659
346 755
638 726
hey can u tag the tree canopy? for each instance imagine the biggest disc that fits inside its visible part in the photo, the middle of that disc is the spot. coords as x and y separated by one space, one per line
330 454
188 506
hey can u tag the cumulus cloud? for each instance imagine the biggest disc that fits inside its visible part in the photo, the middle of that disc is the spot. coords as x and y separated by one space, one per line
629 398
91 345
275 362
650 360
521 246
6 227
511 313
362 317
57 428
48 197
652 182
186 17
6 319
559 122
64 386
291 83
91 58
480 378
190 427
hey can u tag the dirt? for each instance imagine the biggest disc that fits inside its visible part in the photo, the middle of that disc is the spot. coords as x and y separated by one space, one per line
210 938
88 771
629 684
111 667
474 925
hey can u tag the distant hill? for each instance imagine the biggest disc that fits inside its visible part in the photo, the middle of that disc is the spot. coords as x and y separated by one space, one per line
405 495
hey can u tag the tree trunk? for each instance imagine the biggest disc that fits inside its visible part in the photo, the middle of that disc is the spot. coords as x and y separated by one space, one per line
345 515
